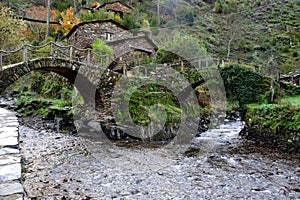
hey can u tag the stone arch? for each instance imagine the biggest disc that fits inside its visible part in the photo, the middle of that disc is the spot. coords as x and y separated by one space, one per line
66 68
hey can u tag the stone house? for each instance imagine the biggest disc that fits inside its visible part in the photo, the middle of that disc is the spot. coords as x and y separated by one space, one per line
129 48
84 34
117 7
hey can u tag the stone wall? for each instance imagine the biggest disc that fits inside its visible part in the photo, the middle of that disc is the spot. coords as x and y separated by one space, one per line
277 127
292 77
86 33
135 43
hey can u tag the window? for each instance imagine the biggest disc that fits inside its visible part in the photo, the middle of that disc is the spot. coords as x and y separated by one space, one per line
109 37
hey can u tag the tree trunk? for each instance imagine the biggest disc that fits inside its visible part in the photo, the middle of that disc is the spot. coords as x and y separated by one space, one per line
75 7
48 19
228 47
272 88
158 16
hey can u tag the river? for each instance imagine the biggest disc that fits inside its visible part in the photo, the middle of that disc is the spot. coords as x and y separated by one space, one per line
60 166
217 165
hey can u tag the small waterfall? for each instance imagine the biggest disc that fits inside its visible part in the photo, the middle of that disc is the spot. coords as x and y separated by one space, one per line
217 136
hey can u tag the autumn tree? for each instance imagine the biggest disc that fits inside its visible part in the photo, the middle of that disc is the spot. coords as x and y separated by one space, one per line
11 27
117 18
37 31
68 20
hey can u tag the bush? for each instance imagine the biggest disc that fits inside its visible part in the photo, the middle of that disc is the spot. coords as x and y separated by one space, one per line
101 48
245 84
295 54
100 14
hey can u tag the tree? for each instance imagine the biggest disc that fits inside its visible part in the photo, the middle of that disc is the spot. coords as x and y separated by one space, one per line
11 29
154 21
130 21
146 25
218 8
100 14
48 19
225 7
101 48
68 20
37 31
174 45
117 18
190 18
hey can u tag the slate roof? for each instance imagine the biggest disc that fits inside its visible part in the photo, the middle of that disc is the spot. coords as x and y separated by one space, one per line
91 22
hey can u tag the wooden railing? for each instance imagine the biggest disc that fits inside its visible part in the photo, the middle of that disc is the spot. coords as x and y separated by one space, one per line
54 50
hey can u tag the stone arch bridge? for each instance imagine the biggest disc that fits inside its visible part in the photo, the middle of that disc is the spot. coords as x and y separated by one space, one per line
91 74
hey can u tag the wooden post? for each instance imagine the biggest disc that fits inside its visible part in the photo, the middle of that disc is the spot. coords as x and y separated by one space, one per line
51 49
71 52
25 54
137 71
181 68
88 59
277 74
124 70
107 60
0 60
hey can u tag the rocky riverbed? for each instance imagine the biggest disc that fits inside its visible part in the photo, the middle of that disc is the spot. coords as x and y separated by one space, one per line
217 165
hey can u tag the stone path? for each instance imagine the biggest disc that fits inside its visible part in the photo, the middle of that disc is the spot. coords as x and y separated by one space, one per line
10 159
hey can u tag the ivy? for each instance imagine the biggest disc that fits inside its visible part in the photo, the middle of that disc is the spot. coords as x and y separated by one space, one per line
245 84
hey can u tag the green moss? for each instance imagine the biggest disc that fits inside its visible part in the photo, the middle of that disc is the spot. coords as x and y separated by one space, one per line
276 117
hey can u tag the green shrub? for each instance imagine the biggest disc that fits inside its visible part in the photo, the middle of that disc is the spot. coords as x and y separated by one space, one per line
295 54
244 83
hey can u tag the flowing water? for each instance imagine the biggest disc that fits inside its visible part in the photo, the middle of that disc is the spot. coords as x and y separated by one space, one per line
217 165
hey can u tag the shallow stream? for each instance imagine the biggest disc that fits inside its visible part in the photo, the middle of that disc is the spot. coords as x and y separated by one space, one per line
217 165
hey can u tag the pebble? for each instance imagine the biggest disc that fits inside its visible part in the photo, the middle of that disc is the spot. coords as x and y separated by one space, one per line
83 168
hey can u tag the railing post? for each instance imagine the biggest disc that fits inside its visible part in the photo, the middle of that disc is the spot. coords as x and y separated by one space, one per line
25 54
124 70
106 60
88 58
0 60
71 52
181 66
51 49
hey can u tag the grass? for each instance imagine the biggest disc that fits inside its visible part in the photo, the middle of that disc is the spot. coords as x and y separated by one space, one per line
283 116
294 101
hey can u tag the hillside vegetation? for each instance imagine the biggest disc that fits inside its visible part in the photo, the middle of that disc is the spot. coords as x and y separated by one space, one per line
261 33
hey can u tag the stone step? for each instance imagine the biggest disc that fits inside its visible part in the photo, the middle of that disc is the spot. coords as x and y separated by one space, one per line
10 159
